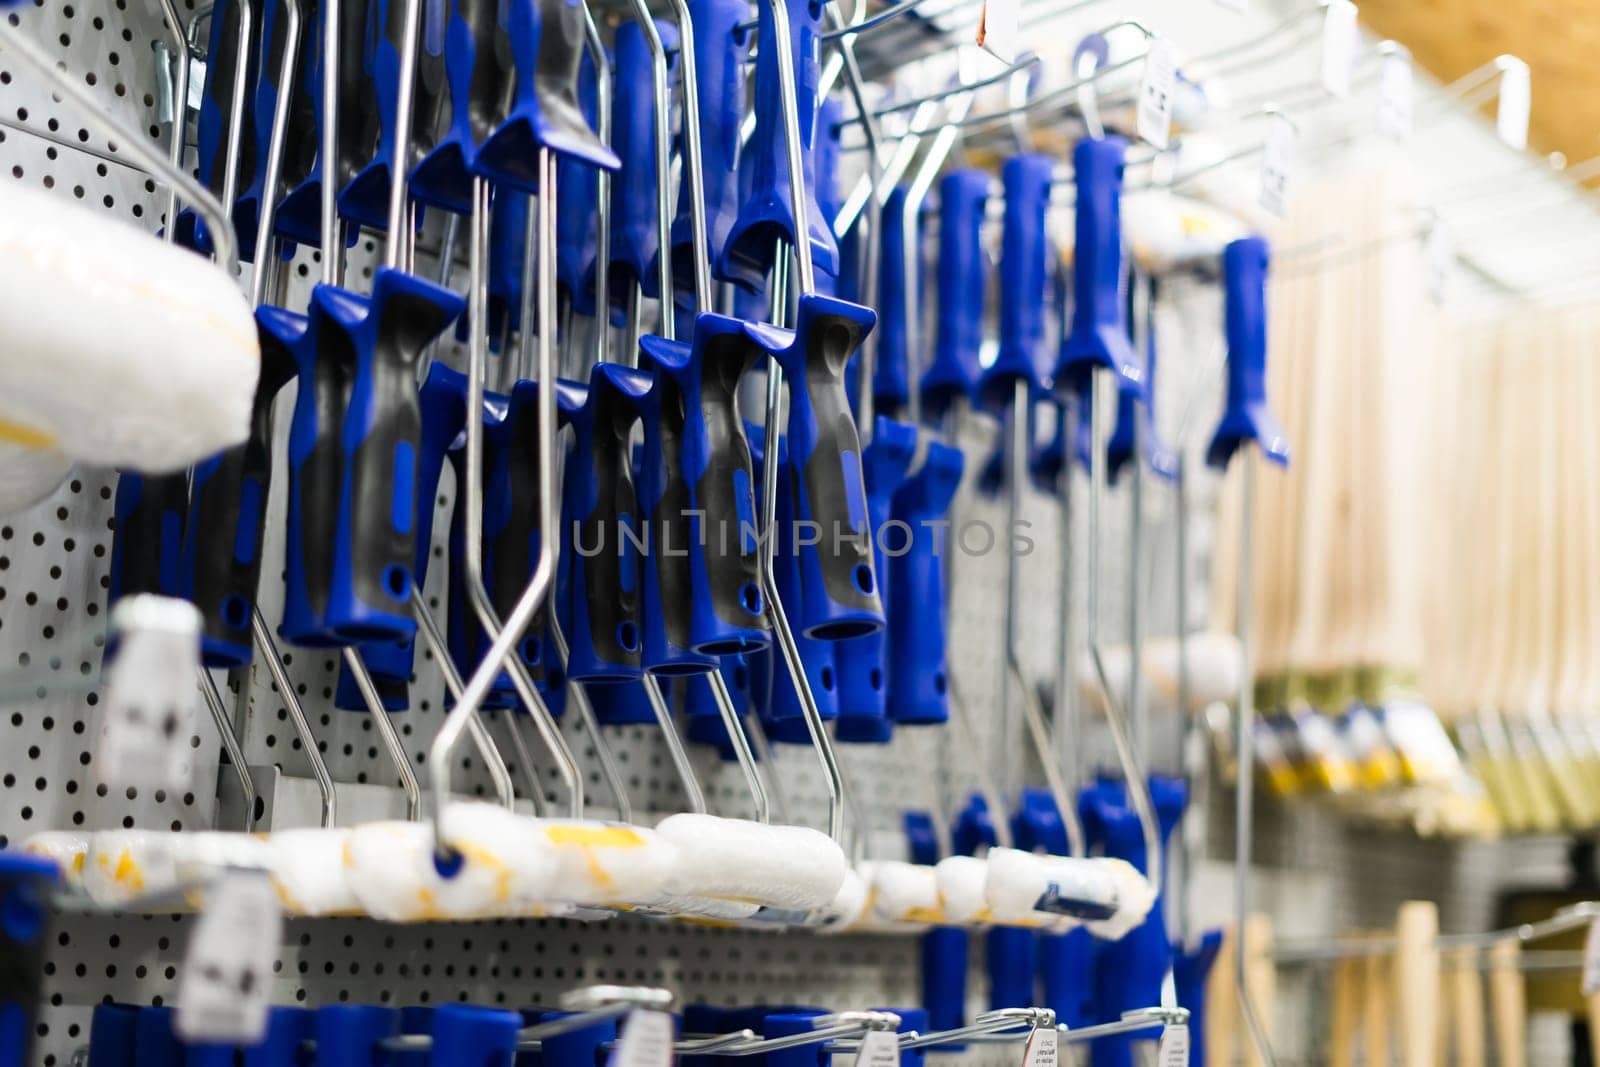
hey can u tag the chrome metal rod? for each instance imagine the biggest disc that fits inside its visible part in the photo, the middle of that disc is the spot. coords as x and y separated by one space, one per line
236 100
694 796
386 733
268 649
230 745
396 248
578 693
266 261
741 744
180 112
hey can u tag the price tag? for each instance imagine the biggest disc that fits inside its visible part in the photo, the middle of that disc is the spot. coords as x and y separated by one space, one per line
151 695
1277 162
1439 259
879 1048
999 28
1174 1048
646 1041
1154 119
1591 960
226 985
1394 96
1338 47
1042 1048
1511 115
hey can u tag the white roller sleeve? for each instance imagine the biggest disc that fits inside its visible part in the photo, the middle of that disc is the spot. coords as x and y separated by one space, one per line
116 348
848 907
789 867
308 872
1213 672
605 865
961 882
68 849
1109 896
123 865
29 475
905 895
506 866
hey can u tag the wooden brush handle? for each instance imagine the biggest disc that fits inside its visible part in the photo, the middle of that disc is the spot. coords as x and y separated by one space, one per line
1508 1000
1416 978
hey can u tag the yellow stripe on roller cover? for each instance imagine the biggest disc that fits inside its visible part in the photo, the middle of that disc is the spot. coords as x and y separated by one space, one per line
14 433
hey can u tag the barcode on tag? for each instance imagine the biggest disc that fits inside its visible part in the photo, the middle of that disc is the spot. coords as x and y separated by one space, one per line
1174 1049
1511 114
1394 96
646 1041
150 695
1439 257
1277 162
1338 47
1041 1049
879 1048
1154 118
226 984
998 28
1591 960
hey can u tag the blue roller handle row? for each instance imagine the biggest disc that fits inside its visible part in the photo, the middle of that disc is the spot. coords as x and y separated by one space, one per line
211 127
1136 418
1246 419
464 1035
577 211
1024 279
299 216
635 228
918 600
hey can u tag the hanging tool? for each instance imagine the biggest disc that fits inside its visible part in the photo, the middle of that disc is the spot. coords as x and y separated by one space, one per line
1246 420
225 132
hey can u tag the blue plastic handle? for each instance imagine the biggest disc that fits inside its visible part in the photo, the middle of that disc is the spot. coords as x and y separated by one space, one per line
155 1043
364 198
113 1030
891 379
726 608
287 1031
918 607
576 1048
468 1036
635 235
1132 413
477 70
577 236
701 714
720 52
1012 959
667 611
148 516
826 152
300 214
1246 418
211 127
1190 971
863 663
353 445
355 1033
771 686
973 830
1099 334
789 1024
602 520
546 44
944 951
1131 971
1024 278
766 216
508 231
26 885
840 588
963 280
226 523
1047 446
1066 961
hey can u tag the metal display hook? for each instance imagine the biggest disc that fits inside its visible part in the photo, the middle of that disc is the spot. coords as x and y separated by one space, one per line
589 1006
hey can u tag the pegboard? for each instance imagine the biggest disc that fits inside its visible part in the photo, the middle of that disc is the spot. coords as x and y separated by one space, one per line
54 560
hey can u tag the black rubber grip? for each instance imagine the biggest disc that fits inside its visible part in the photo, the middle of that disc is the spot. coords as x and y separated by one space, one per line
145 548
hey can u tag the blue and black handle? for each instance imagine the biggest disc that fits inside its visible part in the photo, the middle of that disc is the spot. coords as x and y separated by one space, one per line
1098 337
211 128
1246 417
147 548
635 223
918 673
26 886
477 71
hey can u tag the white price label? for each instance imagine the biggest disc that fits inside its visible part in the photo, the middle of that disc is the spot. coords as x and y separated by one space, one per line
226 984
999 28
879 1048
151 695
1338 47
1277 163
1439 259
646 1041
1042 1048
1516 98
1394 96
1154 119
1174 1049
1591 960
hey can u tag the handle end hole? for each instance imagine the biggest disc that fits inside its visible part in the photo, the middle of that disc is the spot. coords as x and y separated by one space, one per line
397 581
862 576
235 611
939 683
628 636
827 679
750 598
875 678
532 651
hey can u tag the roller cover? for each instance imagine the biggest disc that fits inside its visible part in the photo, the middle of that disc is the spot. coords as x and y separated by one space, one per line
69 381
863 662
29 475
1099 334
918 678
788 867
1246 418
720 51
767 214
1024 263
963 281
